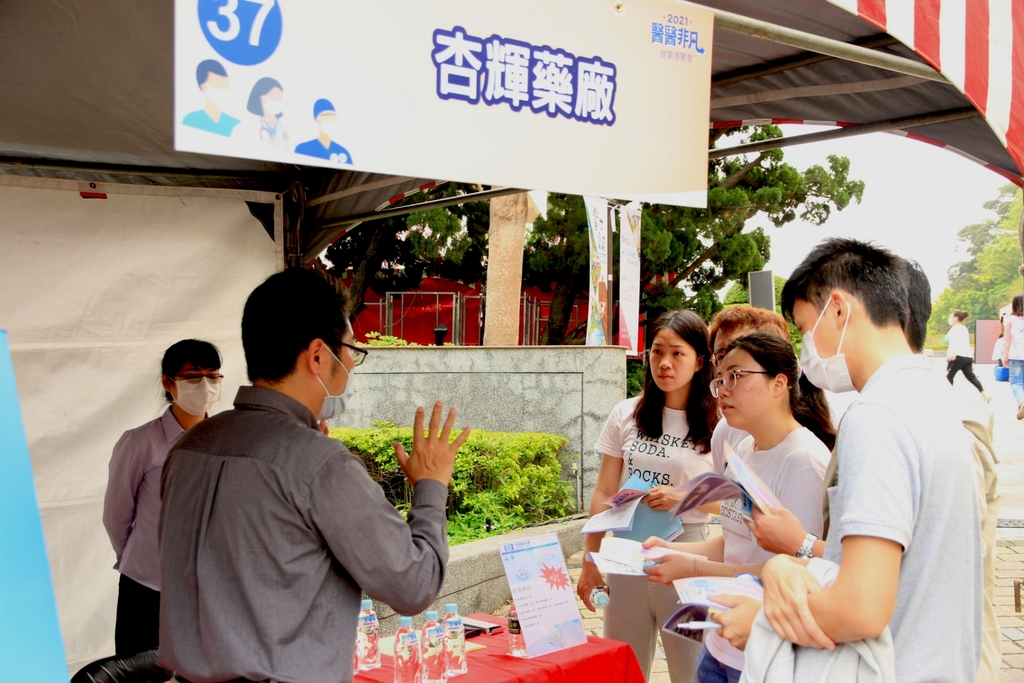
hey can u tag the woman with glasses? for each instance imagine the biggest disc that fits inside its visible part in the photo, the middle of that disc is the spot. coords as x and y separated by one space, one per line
191 380
760 391
662 438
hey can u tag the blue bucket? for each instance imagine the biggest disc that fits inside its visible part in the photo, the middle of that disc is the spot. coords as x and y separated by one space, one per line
1002 373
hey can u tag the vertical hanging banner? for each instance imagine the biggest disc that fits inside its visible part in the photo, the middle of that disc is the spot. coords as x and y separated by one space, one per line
629 278
31 647
517 93
597 304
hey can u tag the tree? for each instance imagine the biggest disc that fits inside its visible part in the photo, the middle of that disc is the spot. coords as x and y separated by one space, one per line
687 254
988 280
395 254
738 294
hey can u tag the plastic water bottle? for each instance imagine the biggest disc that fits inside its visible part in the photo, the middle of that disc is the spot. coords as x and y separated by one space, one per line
368 637
407 652
516 641
455 641
434 664
599 597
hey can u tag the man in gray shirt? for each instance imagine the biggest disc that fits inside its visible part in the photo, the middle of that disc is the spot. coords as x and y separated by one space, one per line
269 530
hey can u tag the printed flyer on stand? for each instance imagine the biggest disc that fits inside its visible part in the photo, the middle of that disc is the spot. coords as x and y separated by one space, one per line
543 594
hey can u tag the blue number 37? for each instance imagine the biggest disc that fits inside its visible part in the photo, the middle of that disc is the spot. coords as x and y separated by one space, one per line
245 32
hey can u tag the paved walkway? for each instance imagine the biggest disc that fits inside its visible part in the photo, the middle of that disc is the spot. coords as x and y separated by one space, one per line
1009 444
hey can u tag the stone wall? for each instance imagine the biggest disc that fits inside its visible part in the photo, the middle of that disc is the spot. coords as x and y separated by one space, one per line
567 390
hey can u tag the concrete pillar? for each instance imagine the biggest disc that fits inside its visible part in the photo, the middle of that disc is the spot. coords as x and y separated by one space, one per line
505 241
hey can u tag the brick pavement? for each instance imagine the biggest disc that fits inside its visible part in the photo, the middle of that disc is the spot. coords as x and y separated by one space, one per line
1009 444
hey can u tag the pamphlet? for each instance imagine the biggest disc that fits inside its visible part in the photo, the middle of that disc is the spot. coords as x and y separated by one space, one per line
630 518
739 481
695 616
623 556
543 594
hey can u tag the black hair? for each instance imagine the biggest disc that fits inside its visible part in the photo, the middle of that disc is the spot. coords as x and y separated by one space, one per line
872 274
701 408
262 87
285 314
1017 307
961 315
202 354
806 401
919 305
207 67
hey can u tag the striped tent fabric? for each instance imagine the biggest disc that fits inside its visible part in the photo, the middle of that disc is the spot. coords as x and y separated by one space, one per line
978 45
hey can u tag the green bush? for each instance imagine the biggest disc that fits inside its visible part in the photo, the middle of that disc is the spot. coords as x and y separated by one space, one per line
635 372
511 479
378 339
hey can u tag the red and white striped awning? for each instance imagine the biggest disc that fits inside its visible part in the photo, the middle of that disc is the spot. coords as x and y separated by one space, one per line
977 44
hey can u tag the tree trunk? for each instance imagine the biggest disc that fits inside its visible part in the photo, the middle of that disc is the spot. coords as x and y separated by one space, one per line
560 313
367 267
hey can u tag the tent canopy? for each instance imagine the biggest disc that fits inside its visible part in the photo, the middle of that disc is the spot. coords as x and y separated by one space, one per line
88 95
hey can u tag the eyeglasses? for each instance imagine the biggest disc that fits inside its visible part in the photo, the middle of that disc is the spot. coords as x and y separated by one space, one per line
730 378
358 354
718 356
196 379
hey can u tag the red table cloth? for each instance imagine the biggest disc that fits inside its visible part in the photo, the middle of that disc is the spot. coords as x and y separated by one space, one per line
597 661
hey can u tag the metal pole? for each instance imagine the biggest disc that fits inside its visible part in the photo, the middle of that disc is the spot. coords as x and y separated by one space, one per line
848 132
738 23
608 280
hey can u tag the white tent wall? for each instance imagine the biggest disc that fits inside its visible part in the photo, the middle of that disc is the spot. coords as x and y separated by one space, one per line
92 291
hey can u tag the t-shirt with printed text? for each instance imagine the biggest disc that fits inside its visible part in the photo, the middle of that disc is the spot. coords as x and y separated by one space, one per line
668 460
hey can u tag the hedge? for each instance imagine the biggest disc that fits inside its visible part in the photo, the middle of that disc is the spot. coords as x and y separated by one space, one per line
509 479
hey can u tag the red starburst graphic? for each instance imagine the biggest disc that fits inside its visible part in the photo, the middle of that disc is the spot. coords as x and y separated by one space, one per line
555 576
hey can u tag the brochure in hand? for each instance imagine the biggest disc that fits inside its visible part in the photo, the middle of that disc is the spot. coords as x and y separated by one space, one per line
630 518
623 556
738 481
695 616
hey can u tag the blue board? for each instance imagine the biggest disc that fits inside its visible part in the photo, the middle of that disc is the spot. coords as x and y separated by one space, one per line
31 648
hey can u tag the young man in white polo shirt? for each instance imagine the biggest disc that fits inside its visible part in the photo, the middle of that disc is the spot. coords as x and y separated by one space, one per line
905 526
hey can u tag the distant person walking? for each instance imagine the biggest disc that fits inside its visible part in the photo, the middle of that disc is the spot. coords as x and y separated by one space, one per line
959 354
1013 351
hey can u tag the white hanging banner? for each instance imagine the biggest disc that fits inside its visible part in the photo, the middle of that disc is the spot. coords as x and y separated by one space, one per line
629 278
517 93
597 307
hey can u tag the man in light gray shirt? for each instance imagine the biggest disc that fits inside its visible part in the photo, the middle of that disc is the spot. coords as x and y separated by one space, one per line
269 530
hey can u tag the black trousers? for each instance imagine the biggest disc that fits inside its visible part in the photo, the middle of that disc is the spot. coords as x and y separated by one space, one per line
138 618
965 365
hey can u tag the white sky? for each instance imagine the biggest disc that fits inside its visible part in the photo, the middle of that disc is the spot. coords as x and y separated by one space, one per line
917 197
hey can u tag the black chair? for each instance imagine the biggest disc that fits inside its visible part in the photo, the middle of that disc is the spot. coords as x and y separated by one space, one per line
140 668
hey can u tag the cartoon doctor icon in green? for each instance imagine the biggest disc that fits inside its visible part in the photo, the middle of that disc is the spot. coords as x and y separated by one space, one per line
213 81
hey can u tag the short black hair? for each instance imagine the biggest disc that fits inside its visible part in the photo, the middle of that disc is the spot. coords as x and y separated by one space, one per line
202 354
919 302
262 87
207 67
285 314
872 274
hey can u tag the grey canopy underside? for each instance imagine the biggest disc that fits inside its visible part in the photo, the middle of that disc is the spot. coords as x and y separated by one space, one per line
87 90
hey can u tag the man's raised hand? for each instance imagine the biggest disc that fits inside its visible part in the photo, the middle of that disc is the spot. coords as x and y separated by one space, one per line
432 456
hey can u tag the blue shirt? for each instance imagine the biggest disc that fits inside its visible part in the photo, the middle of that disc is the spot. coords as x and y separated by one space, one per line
314 148
201 120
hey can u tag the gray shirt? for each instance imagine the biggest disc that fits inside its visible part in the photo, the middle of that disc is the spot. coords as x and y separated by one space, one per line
906 474
269 531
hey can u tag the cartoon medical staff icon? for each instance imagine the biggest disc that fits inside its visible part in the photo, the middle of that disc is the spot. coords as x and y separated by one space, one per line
323 146
267 102
213 82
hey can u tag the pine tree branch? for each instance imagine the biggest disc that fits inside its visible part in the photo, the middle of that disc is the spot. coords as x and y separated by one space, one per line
734 180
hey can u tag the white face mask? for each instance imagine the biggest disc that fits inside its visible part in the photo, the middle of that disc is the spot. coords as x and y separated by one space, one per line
275 107
953 320
830 374
216 95
197 399
333 406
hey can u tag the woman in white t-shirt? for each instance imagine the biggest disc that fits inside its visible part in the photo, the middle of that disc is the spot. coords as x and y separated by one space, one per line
959 354
791 434
662 438
1013 350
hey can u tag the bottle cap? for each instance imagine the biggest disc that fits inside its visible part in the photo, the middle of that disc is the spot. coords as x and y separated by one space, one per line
430 616
451 608
366 604
404 621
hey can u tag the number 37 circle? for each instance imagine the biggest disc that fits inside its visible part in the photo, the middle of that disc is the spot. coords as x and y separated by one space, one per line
244 32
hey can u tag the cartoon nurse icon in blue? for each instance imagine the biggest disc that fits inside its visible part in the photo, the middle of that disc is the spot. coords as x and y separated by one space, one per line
323 146
213 81
267 101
